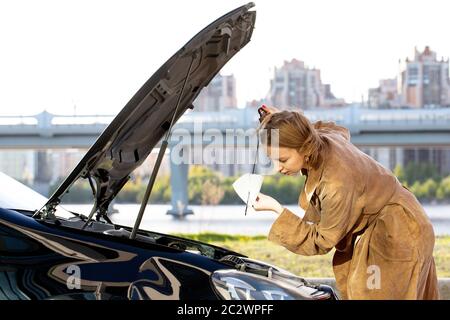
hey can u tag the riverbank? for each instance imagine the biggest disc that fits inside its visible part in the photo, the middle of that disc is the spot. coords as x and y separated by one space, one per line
259 248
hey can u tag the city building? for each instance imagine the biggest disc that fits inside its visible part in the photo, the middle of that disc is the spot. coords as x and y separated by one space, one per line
422 82
220 94
296 86
255 104
385 95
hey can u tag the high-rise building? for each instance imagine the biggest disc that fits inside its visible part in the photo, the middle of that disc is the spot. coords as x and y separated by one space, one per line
296 86
385 95
220 94
424 81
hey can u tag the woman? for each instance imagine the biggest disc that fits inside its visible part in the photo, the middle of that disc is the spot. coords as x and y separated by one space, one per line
383 239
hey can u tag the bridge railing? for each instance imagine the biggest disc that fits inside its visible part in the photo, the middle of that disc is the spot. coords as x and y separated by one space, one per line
353 117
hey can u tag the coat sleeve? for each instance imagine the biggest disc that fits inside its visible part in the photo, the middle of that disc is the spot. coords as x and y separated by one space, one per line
340 210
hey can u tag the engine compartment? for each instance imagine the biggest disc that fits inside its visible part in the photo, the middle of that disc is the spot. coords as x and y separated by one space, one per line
122 233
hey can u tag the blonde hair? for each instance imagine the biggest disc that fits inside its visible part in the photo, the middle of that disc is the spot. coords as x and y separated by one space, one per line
294 131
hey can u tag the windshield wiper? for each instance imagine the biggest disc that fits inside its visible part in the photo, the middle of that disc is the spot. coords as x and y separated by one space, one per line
79 215
162 150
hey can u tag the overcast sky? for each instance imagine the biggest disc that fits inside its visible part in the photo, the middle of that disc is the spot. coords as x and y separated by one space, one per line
95 55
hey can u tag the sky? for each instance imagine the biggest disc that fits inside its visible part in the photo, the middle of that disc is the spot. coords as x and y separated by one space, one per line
90 57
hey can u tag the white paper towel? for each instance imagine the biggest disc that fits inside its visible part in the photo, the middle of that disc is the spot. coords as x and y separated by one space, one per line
248 183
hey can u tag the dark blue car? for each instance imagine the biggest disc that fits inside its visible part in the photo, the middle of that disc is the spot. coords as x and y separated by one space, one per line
47 252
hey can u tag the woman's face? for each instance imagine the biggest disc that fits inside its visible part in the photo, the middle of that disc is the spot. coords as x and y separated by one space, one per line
287 161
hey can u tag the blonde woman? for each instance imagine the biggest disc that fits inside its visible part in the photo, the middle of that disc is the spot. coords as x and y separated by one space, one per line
383 239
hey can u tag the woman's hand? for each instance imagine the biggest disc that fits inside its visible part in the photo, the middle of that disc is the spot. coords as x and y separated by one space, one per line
264 202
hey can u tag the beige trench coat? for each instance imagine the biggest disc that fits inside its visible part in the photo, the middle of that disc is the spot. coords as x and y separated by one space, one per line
384 240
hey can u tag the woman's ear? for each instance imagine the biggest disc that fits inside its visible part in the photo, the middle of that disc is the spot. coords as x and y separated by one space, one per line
307 160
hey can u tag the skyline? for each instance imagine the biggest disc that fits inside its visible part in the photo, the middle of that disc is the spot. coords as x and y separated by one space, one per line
91 55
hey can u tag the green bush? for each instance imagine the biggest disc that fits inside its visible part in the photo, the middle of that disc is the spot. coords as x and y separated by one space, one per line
229 195
423 180
198 176
443 191
129 192
285 189
420 172
212 193
161 192
429 188
208 187
400 174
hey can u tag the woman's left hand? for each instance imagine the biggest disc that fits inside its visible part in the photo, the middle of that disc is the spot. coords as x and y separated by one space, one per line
264 202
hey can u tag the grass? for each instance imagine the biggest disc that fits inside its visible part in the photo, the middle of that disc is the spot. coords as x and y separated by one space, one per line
259 248
442 256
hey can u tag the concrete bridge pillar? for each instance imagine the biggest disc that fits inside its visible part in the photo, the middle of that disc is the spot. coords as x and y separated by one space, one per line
179 187
43 172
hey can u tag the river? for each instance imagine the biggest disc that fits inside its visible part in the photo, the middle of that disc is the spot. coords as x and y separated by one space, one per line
229 219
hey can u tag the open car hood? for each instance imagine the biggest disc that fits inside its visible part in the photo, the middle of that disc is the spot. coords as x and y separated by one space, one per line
145 119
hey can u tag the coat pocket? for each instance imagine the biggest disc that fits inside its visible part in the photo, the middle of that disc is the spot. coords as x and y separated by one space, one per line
391 237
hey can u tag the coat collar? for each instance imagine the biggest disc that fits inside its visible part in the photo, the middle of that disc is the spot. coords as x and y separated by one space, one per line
313 176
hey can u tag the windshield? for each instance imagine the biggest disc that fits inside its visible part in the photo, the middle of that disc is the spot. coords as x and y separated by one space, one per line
15 195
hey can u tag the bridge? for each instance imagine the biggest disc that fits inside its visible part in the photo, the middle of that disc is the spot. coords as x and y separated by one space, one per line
368 128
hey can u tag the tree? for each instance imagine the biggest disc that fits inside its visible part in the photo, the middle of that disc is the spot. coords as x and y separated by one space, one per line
443 191
399 173
285 189
198 175
420 172
129 193
417 190
212 193
428 189
230 196
161 192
